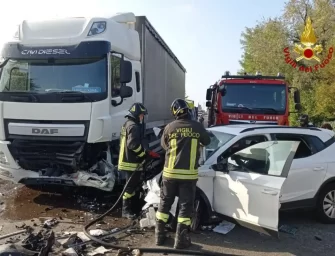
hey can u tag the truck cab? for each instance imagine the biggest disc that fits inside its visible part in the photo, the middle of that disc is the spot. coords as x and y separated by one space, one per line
250 99
65 88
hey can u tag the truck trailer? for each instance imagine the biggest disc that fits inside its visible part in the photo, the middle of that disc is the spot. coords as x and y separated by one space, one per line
65 88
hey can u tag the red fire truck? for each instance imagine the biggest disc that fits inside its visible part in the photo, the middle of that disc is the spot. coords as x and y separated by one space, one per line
250 99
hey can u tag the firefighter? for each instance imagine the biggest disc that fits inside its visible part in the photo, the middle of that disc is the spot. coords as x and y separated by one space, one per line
181 139
304 121
132 154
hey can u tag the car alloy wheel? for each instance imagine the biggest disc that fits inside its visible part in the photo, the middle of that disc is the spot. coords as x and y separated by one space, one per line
329 204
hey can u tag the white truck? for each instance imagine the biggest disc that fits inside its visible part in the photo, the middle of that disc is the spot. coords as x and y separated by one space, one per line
65 88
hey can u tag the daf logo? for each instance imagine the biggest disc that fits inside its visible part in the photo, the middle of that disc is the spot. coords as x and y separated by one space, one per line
252 121
44 131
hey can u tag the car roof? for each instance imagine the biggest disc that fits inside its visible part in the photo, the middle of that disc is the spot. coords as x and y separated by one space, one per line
249 129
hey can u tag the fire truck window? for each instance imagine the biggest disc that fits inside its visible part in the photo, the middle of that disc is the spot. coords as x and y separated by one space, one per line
242 144
304 149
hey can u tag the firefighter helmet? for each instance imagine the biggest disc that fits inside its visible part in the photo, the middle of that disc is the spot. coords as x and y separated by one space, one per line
136 110
179 107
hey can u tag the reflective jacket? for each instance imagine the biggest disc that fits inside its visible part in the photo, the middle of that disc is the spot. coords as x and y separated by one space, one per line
132 151
181 139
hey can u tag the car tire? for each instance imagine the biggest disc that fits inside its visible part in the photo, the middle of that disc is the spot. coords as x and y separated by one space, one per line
326 204
197 215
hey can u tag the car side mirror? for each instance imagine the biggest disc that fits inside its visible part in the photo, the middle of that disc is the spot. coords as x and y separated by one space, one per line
221 167
209 94
126 72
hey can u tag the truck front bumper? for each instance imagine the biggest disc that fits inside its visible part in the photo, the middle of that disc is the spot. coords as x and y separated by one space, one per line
9 169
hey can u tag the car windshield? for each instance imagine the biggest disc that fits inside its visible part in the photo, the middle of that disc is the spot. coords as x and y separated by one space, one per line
54 75
218 139
256 99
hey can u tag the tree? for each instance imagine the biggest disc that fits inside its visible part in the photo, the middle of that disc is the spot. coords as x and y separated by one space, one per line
263 47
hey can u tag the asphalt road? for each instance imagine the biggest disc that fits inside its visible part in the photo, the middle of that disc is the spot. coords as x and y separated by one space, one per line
19 204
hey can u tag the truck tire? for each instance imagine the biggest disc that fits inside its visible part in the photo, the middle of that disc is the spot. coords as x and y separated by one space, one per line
325 207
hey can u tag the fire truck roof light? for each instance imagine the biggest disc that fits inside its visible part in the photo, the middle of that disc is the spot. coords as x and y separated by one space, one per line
258 73
227 73
279 74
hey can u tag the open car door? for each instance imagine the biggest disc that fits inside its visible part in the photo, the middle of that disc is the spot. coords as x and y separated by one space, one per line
247 185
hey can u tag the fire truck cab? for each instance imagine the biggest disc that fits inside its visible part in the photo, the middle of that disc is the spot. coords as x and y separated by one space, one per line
250 99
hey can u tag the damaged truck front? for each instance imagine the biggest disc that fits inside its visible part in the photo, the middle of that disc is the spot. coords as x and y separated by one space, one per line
65 87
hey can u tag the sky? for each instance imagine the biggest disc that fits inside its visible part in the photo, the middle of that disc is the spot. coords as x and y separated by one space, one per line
204 34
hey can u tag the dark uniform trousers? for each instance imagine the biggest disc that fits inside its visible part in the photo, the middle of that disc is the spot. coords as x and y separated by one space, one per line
185 191
135 182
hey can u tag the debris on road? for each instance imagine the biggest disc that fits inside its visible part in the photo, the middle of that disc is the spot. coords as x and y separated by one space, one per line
99 251
150 219
50 223
288 229
224 227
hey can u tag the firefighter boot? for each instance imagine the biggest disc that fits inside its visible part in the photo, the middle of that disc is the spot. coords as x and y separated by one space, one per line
126 210
182 239
160 233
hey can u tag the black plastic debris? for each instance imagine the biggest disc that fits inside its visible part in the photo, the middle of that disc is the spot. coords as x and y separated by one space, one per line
44 239
288 229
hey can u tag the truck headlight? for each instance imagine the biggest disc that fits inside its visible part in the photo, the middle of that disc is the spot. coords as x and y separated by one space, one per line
3 158
97 28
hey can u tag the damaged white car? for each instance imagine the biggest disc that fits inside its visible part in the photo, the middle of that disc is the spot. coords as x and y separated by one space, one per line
249 171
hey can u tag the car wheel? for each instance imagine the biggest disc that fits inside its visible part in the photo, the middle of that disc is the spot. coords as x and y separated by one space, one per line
326 204
197 213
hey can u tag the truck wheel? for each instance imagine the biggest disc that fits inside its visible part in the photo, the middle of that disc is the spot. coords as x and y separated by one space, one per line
197 213
326 204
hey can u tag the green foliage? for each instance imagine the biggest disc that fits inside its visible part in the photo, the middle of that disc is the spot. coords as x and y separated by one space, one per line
264 46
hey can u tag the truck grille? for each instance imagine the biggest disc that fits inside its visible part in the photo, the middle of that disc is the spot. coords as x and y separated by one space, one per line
37 155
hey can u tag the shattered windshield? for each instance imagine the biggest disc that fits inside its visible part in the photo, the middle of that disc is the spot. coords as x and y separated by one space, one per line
218 139
55 75
255 99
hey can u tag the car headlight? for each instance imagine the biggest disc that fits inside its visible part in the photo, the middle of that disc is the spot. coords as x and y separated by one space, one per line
97 28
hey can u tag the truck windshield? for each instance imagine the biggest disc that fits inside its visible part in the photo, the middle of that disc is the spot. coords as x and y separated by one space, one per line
55 75
255 99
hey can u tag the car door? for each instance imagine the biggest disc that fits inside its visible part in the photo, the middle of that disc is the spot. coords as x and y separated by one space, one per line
307 173
250 191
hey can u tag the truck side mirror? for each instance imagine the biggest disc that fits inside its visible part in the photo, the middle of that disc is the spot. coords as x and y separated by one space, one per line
223 92
297 107
126 91
208 104
126 72
209 94
296 97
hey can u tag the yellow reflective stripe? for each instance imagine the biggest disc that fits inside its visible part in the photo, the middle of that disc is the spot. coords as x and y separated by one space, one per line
180 171
142 154
129 164
138 149
185 221
122 148
193 155
173 153
126 168
180 176
127 195
162 216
